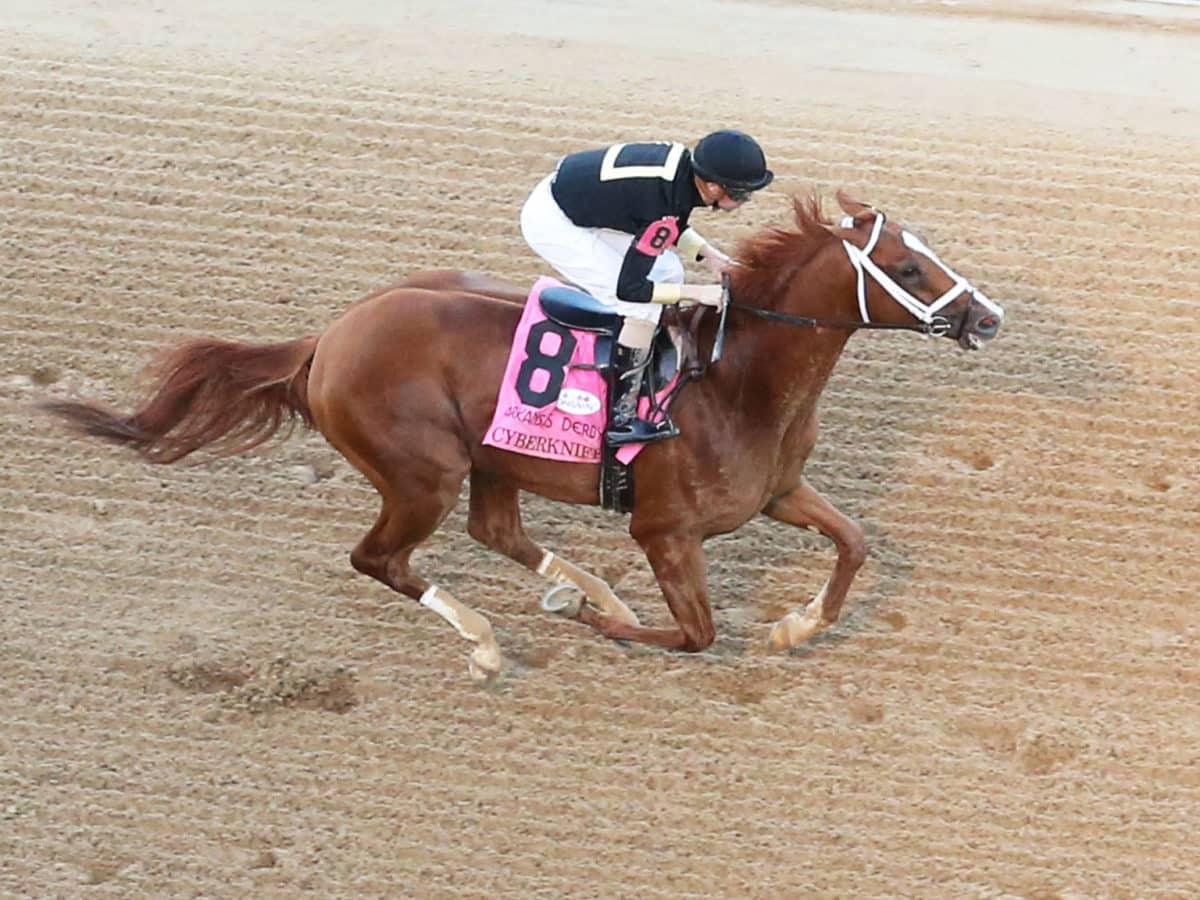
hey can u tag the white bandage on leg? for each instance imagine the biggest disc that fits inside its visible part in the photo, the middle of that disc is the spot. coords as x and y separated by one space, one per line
597 591
466 621
485 661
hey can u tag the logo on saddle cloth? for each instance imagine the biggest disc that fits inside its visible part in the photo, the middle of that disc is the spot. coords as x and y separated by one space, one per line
553 400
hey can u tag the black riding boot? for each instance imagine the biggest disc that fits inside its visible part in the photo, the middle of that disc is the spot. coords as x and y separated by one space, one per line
629 366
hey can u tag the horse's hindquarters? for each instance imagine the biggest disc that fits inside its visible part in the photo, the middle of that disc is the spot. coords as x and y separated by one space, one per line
412 376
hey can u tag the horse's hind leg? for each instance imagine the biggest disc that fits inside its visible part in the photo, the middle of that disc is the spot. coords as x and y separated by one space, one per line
417 495
495 521
384 554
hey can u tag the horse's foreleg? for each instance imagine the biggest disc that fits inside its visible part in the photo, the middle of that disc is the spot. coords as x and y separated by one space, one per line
678 563
495 521
805 508
595 590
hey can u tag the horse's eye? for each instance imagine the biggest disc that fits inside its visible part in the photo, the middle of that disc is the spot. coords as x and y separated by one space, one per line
912 270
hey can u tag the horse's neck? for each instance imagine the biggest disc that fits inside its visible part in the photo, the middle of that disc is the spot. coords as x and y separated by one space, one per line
786 369
782 368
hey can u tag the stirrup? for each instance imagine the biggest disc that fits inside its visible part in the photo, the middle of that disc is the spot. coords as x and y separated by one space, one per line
639 431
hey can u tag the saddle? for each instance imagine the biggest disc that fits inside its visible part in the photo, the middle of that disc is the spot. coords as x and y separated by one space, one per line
674 352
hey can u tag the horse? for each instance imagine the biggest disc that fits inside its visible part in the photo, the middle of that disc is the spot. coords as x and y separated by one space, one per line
404 384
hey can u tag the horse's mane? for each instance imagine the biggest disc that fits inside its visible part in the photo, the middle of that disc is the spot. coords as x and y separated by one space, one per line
771 258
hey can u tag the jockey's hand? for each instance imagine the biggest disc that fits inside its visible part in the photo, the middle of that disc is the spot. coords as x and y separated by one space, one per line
706 295
718 263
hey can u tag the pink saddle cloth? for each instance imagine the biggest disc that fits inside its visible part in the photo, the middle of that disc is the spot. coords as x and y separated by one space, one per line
552 401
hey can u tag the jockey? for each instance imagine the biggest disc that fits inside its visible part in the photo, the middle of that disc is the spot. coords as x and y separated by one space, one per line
607 219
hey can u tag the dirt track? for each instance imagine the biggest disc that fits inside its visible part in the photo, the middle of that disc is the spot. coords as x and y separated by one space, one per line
201 698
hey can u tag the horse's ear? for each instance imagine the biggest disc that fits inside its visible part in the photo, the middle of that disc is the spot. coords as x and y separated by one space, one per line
859 212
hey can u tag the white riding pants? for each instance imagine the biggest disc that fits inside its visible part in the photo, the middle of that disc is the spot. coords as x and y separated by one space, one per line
589 257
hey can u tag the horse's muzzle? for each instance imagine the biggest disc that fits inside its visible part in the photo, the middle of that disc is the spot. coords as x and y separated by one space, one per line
981 322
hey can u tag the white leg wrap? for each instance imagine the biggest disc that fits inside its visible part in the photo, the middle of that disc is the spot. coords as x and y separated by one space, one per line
598 593
816 606
798 626
466 621
485 662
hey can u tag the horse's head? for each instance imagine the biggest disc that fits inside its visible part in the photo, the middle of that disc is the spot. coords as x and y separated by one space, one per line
900 279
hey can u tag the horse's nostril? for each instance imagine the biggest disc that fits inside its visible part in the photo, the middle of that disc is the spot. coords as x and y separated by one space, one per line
987 323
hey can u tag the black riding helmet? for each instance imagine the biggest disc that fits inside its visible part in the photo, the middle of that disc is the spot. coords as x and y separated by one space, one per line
733 160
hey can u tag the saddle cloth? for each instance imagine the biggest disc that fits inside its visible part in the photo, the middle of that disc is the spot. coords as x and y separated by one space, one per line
553 401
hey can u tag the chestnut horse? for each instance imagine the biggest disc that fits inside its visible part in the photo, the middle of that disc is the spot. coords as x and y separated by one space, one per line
404 383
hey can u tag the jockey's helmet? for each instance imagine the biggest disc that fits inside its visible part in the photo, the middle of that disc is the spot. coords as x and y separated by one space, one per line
732 159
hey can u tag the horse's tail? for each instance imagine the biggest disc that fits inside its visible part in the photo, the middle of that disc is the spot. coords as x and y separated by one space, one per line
231 395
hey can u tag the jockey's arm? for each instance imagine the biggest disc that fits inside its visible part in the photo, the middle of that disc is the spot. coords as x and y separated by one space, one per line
693 245
705 294
634 284
633 281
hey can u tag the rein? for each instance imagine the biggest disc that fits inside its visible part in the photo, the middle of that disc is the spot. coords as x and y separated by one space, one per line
937 327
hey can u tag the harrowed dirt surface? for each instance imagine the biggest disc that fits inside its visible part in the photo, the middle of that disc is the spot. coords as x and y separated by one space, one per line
201 698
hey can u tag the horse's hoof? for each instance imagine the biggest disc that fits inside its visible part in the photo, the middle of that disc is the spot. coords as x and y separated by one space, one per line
793 629
564 599
484 663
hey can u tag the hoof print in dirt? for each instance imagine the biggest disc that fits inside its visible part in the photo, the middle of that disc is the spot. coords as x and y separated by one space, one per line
278 683
281 683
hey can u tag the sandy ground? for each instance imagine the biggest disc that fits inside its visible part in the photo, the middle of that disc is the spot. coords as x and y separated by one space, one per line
199 697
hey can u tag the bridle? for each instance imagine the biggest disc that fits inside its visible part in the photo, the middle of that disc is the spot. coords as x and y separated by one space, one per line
929 320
